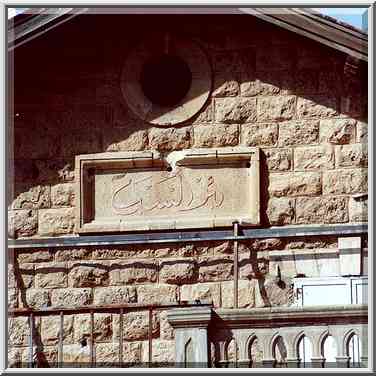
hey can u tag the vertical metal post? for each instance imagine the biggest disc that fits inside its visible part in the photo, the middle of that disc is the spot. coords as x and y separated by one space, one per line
92 338
61 337
150 335
31 339
121 337
236 260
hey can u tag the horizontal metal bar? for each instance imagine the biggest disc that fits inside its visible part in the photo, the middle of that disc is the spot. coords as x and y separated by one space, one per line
189 236
103 308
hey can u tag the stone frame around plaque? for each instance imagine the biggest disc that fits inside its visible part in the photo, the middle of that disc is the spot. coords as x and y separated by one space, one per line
202 188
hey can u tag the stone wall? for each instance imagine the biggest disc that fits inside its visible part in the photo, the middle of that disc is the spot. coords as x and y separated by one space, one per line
293 98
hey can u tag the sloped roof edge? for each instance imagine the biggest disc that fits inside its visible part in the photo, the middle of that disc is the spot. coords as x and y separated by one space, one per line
306 22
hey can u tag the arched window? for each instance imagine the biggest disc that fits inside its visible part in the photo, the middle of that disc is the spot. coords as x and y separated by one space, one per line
354 351
279 352
304 352
329 351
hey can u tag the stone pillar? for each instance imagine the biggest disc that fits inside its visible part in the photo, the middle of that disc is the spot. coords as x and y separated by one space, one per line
342 361
318 362
292 362
191 335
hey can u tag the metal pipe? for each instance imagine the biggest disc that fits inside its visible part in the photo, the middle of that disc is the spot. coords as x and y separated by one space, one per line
236 266
92 338
121 337
31 339
150 335
189 236
61 336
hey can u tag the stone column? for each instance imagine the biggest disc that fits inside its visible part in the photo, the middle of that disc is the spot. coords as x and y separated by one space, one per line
191 335
342 361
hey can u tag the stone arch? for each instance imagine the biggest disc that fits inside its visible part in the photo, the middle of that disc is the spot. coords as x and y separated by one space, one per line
303 346
231 350
329 347
352 347
279 351
254 351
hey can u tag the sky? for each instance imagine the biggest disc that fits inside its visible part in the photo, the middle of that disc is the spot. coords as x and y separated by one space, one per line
352 16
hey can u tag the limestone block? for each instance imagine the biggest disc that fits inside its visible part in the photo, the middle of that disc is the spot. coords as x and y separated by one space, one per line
317 106
206 115
63 195
354 105
321 210
354 155
38 255
278 160
163 351
295 184
17 357
349 255
135 271
157 294
166 330
362 132
314 158
246 294
282 262
88 275
327 262
167 139
114 295
51 275
31 197
337 131
72 297
102 327
76 355
298 132
227 61
213 269
277 108
12 298
50 330
125 140
305 262
135 326
36 298
71 254
267 244
225 85
279 295
61 170
21 276
115 253
56 221
307 81
274 57
345 181
22 223
281 211
358 209
259 134
178 271
107 354
235 110
201 291
81 142
216 136
18 330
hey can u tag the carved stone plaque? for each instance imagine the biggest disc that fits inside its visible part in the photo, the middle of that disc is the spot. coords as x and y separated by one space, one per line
197 188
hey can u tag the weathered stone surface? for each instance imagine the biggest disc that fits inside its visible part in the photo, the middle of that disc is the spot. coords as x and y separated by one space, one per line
157 294
216 136
278 159
337 131
279 295
56 221
73 297
76 355
50 330
225 86
62 195
298 133
307 81
274 57
166 330
321 210
80 142
107 354
281 211
102 327
167 139
354 105
235 110
259 134
135 271
61 170
51 275
206 115
17 357
267 244
295 184
316 106
276 108
12 298
246 294
18 330
202 291
354 155
21 276
88 275
345 181
213 269
178 271
125 140
314 158
115 253
31 197
135 326
114 295
361 132
36 298
227 61
253 265
22 223
282 264
38 255
313 242
358 209
163 351
71 254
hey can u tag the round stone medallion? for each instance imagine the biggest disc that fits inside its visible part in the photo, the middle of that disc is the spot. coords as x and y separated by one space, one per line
166 80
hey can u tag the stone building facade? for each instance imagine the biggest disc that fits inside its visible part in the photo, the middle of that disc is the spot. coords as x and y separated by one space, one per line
302 103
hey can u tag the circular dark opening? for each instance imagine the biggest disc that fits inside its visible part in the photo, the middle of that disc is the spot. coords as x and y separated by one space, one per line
165 79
